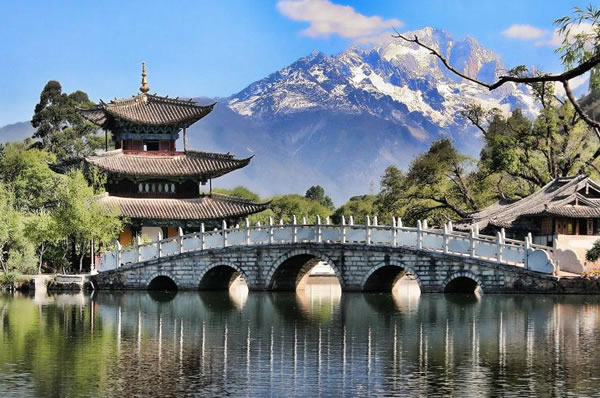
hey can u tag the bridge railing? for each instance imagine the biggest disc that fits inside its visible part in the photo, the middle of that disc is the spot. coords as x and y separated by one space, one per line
445 240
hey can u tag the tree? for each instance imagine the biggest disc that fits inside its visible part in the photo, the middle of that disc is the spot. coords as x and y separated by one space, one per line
62 130
42 230
16 252
26 171
81 218
359 207
285 206
580 53
240 192
440 185
317 193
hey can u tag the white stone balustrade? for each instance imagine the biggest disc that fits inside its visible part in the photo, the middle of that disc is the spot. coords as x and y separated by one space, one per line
498 249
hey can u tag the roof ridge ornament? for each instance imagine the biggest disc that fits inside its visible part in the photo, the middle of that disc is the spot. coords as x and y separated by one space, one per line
144 88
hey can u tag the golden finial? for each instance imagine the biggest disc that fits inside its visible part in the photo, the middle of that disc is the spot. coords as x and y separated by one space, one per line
144 88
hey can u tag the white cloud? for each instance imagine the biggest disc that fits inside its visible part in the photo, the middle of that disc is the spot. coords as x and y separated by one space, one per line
574 83
523 32
326 18
557 38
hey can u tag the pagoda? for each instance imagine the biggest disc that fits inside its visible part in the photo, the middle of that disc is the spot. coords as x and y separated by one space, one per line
156 188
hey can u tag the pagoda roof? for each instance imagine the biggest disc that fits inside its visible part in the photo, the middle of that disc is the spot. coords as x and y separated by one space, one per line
563 197
170 164
210 207
148 109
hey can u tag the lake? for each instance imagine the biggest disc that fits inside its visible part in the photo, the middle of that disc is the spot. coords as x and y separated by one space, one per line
316 343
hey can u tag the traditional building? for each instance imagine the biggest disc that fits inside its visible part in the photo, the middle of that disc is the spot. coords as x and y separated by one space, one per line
564 214
155 187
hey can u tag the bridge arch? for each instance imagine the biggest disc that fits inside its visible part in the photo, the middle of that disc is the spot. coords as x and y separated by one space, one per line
463 282
290 270
384 276
220 276
161 281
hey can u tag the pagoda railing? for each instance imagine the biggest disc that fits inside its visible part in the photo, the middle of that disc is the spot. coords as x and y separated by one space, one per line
446 240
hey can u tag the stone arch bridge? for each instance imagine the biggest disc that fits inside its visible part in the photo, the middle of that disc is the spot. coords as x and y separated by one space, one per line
367 257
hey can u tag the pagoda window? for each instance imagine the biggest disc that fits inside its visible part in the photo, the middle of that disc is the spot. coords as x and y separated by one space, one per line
172 188
140 187
160 187
147 187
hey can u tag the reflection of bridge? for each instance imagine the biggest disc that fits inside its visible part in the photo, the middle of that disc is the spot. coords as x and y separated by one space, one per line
367 257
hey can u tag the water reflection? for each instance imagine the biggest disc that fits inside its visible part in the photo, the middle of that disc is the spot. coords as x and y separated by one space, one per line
309 343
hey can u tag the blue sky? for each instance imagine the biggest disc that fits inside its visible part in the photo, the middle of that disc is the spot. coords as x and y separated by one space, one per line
202 48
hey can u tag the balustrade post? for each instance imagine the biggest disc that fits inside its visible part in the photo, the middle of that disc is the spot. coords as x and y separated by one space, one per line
327 221
270 230
527 247
118 253
472 242
394 232
450 227
202 236
425 224
499 246
419 235
319 231
351 220
224 227
180 239
368 231
446 238
294 230
303 220
375 221
159 244
399 223
247 230
138 242
343 229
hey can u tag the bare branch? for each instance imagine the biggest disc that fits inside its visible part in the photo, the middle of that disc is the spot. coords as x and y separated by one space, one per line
518 78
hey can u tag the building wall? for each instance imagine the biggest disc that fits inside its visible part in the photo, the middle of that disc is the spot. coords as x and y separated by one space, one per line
151 233
579 244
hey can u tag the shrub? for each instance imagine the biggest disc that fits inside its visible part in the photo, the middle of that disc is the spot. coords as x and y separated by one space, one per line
594 253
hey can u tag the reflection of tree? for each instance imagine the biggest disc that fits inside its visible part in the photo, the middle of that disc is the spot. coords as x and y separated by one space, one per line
129 344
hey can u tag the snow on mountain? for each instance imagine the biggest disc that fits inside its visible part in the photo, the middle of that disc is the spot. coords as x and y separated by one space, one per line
392 80
340 120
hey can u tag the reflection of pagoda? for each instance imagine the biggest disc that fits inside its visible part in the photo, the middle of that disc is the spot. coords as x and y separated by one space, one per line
155 187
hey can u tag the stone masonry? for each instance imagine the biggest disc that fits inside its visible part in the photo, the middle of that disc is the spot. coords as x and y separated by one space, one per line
358 267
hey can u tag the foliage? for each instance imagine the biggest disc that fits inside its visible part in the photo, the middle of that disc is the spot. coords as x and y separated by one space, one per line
42 229
240 192
16 251
27 173
317 193
359 207
61 128
81 218
593 254
286 206
439 185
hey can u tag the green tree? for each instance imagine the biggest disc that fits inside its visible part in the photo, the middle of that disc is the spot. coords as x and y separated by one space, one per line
286 206
359 207
26 171
390 200
61 128
240 192
42 230
80 217
16 252
317 193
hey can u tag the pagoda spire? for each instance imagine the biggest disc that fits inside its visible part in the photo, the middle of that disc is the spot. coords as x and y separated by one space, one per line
144 88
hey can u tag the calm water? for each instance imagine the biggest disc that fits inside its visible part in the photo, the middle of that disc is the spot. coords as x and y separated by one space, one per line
320 343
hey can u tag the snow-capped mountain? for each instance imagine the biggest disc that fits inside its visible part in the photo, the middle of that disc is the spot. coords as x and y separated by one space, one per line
397 81
340 120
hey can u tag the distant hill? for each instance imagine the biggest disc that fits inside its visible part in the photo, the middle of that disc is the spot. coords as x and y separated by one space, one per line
16 132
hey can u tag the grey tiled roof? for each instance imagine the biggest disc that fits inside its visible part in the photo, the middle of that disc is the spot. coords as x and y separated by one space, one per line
148 109
212 207
565 197
188 164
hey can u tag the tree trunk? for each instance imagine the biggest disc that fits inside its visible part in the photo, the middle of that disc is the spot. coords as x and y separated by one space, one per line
42 249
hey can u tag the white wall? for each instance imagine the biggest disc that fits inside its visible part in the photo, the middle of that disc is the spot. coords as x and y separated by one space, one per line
150 233
579 244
